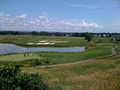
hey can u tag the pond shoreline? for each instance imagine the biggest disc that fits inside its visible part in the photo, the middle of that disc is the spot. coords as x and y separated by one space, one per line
6 48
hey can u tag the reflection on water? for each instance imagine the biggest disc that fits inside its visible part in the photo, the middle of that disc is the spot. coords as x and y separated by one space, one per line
11 48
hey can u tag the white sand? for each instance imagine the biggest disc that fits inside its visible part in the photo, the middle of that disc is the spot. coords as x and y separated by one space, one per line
45 43
60 41
52 43
29 43
42 41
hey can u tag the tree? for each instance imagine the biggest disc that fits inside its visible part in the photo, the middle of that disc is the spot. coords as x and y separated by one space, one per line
88 37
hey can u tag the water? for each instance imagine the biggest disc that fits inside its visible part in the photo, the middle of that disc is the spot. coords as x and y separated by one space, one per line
11 48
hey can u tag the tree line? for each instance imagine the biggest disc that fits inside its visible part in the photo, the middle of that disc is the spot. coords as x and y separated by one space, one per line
68 34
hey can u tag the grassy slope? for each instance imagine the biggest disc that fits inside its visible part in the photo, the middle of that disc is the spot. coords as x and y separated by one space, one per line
95 75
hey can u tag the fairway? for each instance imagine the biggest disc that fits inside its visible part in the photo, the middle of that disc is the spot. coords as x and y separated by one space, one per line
18 57
59 41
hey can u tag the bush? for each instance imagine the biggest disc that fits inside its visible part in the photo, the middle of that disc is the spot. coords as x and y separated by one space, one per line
38 62
11 78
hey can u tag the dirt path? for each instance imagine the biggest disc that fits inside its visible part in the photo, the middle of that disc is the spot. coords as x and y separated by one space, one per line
113 52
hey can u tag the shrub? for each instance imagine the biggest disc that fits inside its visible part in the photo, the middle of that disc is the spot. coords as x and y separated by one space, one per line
38 62
11 78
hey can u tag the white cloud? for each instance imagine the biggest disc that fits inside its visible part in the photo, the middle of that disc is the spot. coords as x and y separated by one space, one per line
23 16
43 23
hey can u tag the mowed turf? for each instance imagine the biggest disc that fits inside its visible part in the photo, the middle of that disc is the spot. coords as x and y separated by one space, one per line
18 57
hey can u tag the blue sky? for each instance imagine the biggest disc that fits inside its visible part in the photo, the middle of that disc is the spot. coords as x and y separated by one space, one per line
60 15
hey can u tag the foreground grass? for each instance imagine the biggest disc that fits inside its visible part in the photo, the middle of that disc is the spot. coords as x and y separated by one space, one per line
95 75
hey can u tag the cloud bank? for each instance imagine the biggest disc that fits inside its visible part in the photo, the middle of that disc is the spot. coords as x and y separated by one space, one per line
43 23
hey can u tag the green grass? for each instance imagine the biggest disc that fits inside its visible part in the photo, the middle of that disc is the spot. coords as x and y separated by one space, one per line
18 57
59 58
60 41
93 50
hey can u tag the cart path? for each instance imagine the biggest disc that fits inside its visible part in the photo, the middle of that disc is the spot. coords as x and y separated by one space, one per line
113 52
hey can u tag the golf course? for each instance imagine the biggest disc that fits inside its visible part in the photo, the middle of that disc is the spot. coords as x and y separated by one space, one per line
59 44
99 63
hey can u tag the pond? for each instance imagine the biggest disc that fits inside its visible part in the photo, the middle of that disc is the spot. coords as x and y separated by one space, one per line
12 48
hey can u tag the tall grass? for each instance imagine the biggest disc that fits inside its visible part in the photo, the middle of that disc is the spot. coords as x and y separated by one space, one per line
100 74
97 81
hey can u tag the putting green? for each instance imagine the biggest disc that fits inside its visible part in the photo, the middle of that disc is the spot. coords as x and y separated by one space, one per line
19 57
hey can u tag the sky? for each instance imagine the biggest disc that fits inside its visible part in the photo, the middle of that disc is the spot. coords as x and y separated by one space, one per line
60 15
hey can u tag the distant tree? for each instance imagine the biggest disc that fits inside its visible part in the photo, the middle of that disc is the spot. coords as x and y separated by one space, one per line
76 34
102 35
44 34
110 35
34 33
88 37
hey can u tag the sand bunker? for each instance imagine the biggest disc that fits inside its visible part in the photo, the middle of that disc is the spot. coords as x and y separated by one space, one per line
46 43
59 41
42 41
30 43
